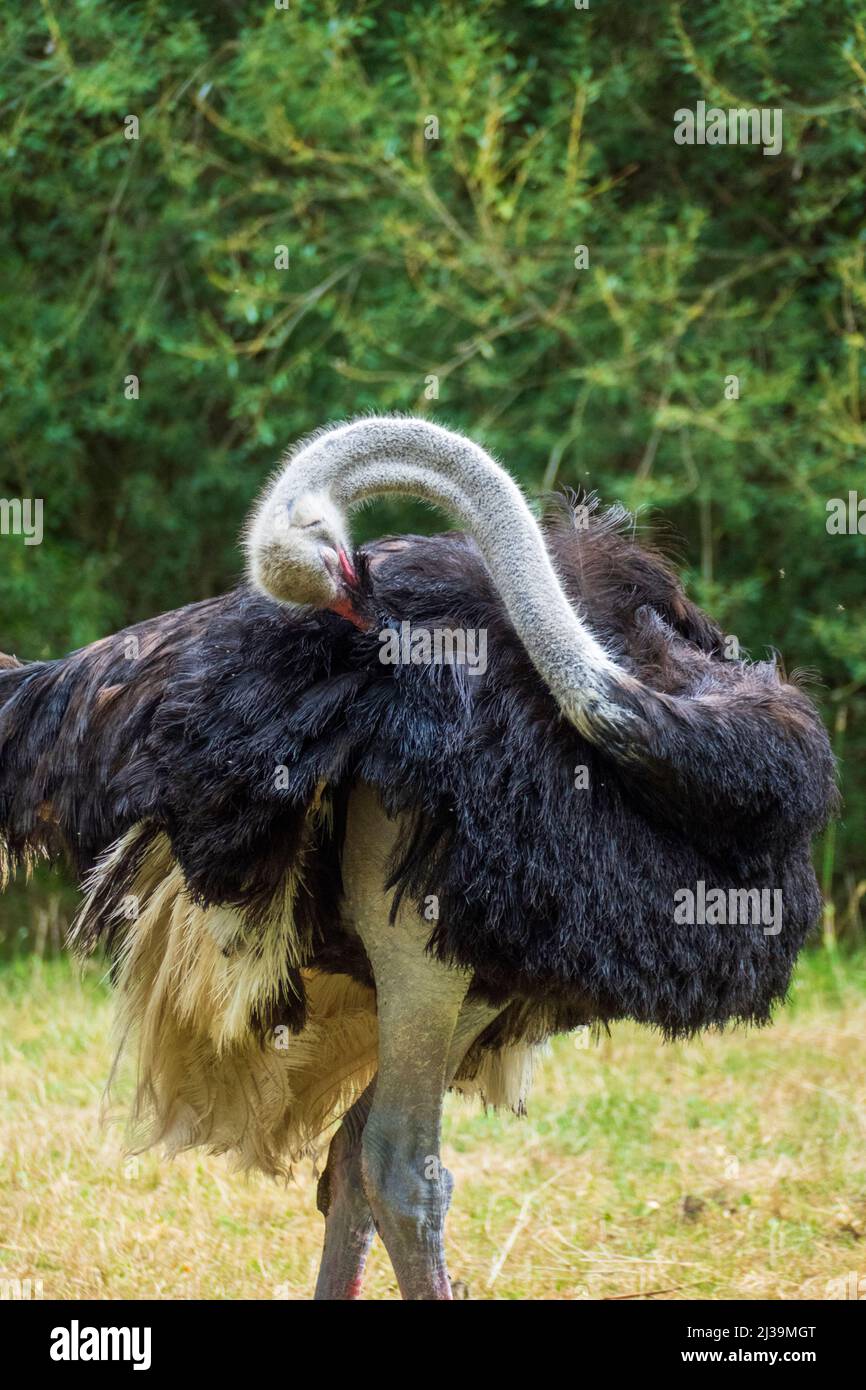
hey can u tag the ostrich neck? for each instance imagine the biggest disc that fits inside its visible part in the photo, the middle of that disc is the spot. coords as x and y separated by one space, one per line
376 457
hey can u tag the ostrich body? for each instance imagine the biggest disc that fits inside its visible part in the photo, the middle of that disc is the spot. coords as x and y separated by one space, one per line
262 810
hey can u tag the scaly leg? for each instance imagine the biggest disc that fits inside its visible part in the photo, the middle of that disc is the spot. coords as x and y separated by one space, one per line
418 1002
341 1199
349 1226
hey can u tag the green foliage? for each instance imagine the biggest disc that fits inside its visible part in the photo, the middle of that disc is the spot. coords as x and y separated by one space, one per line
450 257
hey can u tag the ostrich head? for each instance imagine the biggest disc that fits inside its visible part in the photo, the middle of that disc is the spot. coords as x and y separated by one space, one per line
298 551
297 544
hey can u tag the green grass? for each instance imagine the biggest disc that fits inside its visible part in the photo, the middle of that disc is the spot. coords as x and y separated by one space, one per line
730 1167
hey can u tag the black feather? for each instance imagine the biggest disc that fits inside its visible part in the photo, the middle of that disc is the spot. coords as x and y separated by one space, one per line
560 897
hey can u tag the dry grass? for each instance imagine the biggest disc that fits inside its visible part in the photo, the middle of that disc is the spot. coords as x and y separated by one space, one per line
729 1167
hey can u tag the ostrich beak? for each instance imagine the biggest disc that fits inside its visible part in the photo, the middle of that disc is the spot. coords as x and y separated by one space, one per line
347 569
345 606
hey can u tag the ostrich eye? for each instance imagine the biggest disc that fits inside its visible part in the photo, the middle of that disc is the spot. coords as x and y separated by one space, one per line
303 514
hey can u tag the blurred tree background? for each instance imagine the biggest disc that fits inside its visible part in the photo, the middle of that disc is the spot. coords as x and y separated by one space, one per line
452 258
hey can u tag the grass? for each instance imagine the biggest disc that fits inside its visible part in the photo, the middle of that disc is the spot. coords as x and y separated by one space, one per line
730 1167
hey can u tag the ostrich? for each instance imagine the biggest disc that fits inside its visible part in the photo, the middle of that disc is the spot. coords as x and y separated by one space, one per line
334 888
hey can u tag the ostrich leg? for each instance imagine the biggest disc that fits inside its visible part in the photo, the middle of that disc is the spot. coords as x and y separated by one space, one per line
341 1199
418 1001
349 1226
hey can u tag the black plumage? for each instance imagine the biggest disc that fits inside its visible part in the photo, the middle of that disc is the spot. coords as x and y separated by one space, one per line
224 722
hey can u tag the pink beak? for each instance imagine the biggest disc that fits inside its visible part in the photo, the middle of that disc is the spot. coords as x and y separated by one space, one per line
347 569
